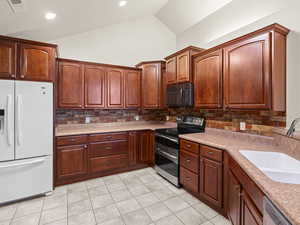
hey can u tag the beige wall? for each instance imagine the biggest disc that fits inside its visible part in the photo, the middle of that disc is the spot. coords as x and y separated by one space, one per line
125 44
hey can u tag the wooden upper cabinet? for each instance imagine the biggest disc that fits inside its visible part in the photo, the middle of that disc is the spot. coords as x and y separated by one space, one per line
94 86
152 84
115 88
179 65
171 76
132 89
8 59
183 67
247 73
208 85
70 85
37 63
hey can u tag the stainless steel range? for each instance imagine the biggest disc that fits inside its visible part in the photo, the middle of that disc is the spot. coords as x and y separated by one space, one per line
167 146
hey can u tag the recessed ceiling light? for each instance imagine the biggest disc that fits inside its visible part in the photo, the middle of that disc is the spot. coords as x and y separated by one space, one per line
50 16
122 3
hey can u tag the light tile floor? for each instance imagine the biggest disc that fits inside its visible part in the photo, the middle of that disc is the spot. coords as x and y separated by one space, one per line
139 197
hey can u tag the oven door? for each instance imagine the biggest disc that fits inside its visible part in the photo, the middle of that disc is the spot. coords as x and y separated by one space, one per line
167 159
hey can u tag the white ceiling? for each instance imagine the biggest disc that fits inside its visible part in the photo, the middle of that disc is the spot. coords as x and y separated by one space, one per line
77 16
179 15
73 16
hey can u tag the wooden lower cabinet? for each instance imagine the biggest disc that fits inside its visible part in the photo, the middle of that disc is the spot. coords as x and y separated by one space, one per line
71 161
234 197
249 212
211 181
189 180
82 157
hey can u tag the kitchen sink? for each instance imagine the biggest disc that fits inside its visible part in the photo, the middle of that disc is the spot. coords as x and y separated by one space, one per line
277 166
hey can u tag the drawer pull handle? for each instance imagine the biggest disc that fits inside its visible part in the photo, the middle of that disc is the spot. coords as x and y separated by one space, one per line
73 139
210 153
188 161
108 148
187 178
188 146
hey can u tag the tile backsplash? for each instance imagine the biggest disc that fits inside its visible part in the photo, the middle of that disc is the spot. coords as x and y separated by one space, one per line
257 122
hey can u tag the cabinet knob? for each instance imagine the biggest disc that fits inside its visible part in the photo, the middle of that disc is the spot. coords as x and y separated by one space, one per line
85 146
22 76
13 75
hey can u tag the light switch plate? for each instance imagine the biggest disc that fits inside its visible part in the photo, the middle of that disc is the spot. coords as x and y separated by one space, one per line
137 118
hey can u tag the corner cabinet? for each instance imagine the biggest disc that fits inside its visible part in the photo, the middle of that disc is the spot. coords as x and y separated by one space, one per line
179 65
152 84
208 78
248 72
27 60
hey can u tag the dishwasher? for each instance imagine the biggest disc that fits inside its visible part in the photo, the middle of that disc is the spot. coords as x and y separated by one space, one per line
272 215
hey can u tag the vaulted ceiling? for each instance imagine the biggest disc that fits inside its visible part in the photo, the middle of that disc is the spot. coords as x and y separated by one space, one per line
78 16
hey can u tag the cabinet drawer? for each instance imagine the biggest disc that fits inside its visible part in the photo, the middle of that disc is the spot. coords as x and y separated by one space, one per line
189 161
211 153
108 137
108 163
189 146
108 148
189 179
71 140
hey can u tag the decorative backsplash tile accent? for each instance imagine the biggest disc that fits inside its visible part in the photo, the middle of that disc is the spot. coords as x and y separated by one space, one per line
257 122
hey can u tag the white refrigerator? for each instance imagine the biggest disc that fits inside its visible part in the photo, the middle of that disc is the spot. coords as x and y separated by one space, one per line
26 139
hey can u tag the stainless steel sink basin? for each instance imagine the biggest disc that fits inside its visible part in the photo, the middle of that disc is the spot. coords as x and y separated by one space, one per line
277 166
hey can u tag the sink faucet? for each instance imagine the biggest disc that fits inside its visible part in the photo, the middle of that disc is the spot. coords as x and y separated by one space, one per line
292 127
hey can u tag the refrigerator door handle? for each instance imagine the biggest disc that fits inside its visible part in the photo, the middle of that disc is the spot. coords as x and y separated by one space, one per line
23 163
7 119
18 120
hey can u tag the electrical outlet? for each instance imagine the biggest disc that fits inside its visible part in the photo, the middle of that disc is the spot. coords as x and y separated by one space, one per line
87 119
242 126
137 118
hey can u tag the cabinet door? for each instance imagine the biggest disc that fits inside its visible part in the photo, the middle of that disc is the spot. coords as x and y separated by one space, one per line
71 161
208 80
115 88
183 67
250 214
70 85
171 71
94 86
144 147
37 63
234 199
133 147
211 181
132 89
151 84
247 74
8 54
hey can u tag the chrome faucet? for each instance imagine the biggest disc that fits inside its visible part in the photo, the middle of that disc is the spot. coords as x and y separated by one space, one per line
292 127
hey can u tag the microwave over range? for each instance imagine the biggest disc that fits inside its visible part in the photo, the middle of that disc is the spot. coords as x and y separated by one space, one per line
180 95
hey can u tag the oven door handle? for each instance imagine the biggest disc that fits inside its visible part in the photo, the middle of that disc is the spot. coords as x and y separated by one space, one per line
163 136
168 155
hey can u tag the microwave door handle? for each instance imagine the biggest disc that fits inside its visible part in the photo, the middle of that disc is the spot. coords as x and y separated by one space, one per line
8 120
18 121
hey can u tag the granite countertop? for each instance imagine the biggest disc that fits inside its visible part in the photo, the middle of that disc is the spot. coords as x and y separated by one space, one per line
66 130
285 196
